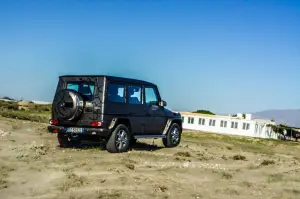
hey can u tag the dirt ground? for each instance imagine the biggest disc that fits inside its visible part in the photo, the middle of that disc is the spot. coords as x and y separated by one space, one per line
203 166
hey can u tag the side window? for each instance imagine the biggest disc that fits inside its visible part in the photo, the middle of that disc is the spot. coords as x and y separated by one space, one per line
134 94
150 96
115 92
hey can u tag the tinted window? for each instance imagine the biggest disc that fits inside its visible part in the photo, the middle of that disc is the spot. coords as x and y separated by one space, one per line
150 96
212 122
201 121
191 120
134 94
115 93
85 89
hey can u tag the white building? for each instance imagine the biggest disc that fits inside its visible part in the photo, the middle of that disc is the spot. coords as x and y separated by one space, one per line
229 125
40 102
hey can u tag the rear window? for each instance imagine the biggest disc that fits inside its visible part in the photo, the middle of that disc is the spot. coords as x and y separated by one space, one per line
86 89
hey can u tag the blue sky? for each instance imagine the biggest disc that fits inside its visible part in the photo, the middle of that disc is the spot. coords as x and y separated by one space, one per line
224 56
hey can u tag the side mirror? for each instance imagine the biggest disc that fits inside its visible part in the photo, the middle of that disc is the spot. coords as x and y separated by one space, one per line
162 103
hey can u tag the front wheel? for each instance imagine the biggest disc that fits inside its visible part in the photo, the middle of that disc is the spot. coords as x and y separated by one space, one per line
173 136
119 140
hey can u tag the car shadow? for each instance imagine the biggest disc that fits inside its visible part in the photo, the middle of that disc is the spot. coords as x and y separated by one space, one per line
138 146
141 146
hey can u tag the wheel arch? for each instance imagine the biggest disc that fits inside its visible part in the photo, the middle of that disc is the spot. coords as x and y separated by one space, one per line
116 121
170 122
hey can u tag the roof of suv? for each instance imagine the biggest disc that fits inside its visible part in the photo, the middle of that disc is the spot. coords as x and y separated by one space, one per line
114 78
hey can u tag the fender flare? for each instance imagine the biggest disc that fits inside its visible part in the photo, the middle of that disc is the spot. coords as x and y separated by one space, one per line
115 121
170 122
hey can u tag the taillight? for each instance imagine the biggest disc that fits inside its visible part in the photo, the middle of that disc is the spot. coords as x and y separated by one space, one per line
55 131
95 123
53 122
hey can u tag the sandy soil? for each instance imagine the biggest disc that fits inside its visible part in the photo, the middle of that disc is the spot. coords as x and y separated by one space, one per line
203 166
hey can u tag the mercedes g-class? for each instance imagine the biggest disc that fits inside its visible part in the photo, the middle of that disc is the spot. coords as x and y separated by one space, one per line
114 109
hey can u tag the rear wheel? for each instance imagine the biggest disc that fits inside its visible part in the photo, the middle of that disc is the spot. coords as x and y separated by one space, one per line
119 140
133 141
65 142
173 136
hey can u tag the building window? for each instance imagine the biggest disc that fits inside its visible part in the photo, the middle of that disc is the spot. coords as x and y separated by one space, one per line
182 119
234 125
246 126
191 120
212 122
201 121
223 124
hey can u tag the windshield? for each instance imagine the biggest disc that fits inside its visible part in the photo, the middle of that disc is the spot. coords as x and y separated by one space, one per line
84 88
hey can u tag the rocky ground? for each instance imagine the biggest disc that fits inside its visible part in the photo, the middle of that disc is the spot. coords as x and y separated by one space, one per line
203 166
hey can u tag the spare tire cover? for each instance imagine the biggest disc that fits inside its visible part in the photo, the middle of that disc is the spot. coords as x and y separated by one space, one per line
68 105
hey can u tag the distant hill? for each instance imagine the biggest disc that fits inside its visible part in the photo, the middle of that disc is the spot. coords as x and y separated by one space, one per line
291 116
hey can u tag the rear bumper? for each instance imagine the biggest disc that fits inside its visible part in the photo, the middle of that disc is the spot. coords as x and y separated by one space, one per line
102 132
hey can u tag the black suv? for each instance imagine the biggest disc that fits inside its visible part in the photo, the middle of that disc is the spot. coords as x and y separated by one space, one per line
115 109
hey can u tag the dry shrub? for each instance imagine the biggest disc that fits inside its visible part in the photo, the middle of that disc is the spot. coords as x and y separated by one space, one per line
267 162
111 194
183 154
5 170
16 126
227 175
130 166
247 184
277 177
3 184
160 188
72 181
229 148
238 157
39 149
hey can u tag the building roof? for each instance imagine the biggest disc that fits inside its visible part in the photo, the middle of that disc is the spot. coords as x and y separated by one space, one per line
205 115
222 116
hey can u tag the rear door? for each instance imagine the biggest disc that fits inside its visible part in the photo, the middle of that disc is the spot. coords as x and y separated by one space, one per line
86 87
155 113
137 111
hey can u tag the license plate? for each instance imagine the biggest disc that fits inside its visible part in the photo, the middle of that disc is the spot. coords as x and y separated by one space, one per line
74 130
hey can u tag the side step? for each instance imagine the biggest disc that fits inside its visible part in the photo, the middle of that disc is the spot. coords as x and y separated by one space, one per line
149 136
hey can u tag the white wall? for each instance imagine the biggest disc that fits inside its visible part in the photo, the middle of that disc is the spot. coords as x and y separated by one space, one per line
256 129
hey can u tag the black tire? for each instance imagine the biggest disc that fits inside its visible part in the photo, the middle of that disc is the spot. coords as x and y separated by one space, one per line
173 136
64 142
133 141
67 105
113 146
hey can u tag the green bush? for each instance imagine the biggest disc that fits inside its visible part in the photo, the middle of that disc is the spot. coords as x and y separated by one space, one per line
31 106
12 107
204 112
23 115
